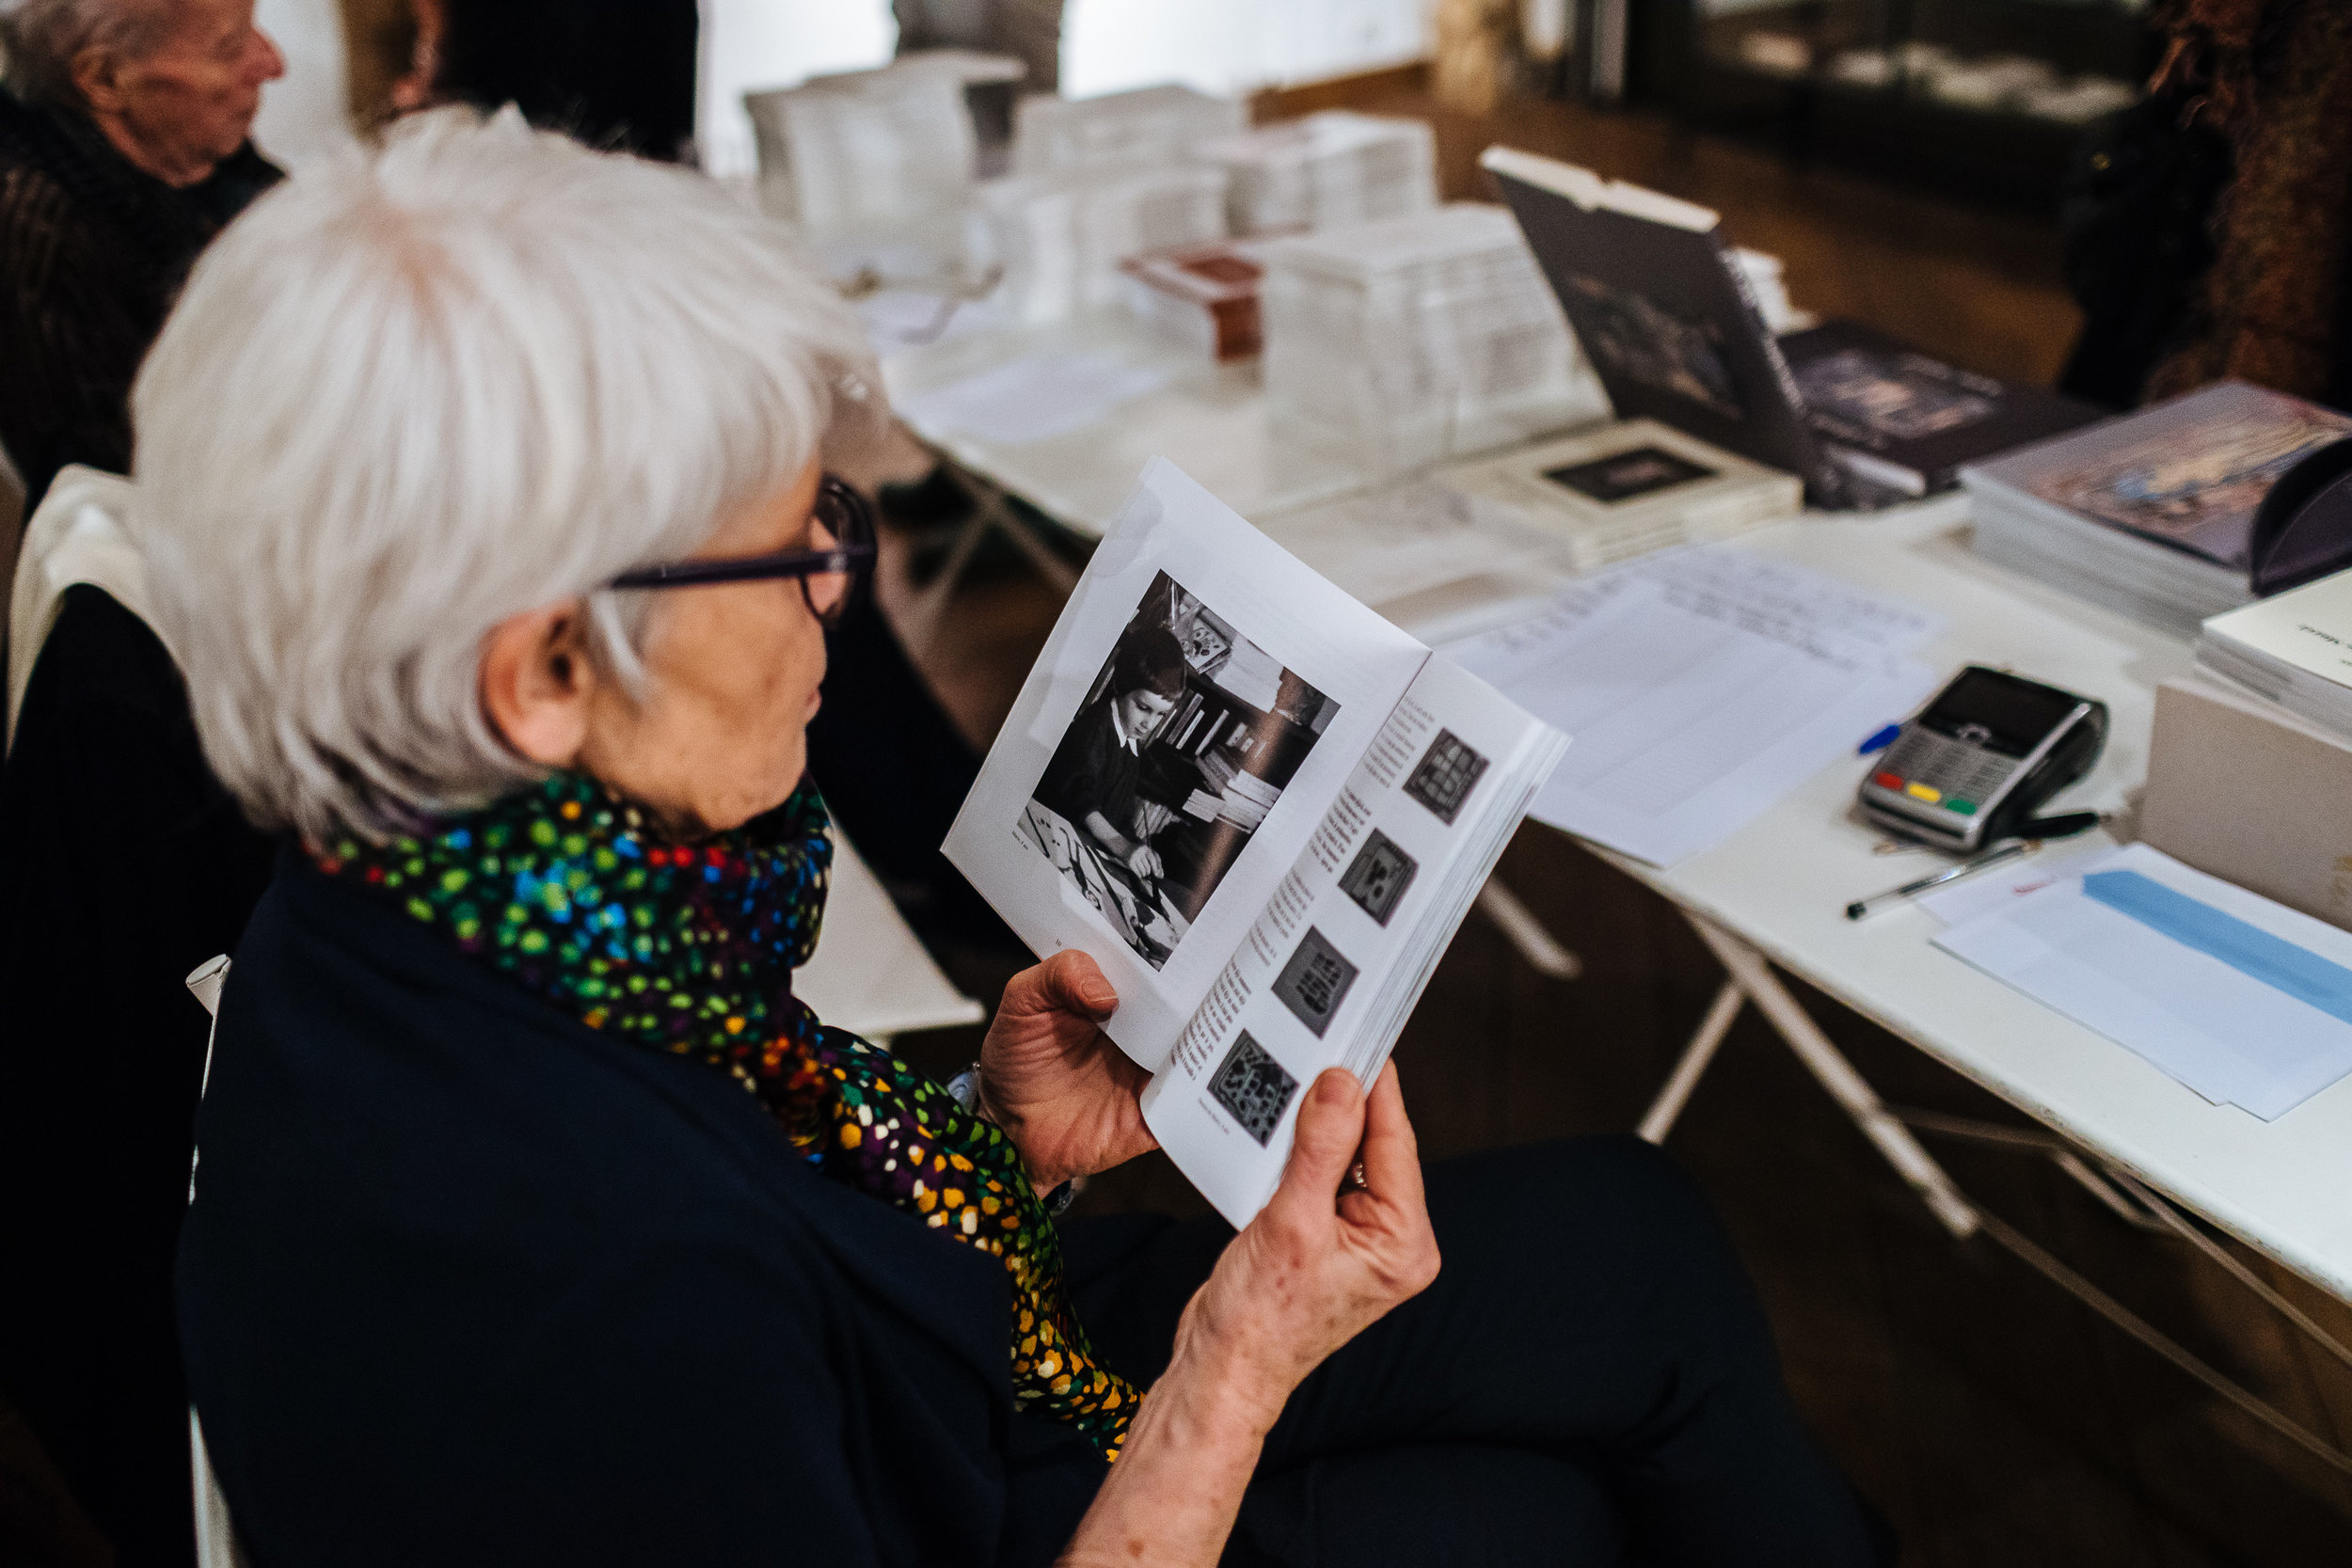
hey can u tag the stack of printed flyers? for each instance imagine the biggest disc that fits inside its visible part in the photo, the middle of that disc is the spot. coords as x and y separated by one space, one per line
1264 810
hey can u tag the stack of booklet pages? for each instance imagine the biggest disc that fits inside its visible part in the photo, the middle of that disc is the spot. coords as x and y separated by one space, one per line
1325 169
1148 125
2294 648
1261 808
2152 514
1061 237
1408 340
1622 490
875 150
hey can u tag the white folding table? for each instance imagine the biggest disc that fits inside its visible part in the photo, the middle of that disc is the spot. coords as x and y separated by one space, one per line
1774 895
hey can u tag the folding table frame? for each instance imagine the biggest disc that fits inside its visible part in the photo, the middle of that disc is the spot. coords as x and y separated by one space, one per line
1749 978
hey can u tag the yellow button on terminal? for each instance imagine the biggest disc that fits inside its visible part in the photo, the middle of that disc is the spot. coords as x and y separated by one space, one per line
1921 792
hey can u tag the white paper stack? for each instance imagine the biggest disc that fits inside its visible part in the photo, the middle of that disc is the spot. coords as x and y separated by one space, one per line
1411 340
1147 125
1060 237
884 150
2150 515
2294 648
1326 169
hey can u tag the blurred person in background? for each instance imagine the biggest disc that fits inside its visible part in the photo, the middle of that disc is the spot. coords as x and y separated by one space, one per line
537 1222
123 151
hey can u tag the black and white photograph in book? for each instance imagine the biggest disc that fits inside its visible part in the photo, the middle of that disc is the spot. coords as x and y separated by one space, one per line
1187 737
1253 1087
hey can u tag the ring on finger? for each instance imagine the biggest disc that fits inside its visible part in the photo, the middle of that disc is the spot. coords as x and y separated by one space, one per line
1356 1181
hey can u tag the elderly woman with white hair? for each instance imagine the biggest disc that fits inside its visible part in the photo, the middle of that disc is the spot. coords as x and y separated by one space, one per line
536 1221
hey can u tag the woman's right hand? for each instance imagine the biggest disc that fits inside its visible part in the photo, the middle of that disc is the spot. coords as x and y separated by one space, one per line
1316 1266
1326 1259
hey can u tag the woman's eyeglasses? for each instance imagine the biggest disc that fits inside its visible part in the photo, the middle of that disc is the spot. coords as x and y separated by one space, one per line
832 573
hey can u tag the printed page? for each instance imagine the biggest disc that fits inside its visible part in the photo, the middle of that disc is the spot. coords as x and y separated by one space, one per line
1338 956
1701 689
1201 700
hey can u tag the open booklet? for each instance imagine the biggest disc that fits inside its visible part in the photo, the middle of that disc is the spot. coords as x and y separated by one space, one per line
1261 807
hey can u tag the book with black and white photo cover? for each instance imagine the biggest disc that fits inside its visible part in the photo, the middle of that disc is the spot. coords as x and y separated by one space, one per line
1264 810
1906 421
1611 492
1667 317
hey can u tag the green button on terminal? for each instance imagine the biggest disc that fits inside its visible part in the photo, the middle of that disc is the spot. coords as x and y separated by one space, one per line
1965 807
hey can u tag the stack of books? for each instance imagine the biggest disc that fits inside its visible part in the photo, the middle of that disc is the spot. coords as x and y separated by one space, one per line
1326 169
2294 648
1060 237
872 151
1401 342
1149 125
1203 297
2150 515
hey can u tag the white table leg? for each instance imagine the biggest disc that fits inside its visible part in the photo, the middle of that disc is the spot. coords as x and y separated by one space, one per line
1853 1094
1695 1057
1538 946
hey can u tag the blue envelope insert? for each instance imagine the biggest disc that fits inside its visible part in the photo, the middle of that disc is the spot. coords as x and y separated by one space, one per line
2246 948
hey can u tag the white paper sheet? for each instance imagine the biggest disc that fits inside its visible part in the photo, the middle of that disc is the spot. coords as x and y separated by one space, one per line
2215 1026
1998 886
1701 688
1034 397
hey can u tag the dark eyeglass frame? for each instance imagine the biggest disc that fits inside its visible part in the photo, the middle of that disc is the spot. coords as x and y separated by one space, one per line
840 511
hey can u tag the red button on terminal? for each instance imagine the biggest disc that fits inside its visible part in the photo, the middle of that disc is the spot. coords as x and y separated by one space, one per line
1887 781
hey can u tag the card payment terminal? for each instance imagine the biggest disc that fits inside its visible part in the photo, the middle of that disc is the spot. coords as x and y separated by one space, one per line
1977 762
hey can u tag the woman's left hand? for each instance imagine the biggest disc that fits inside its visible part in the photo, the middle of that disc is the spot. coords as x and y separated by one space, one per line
1057 1085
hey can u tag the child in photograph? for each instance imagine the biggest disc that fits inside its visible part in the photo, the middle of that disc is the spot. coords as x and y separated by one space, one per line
1095 779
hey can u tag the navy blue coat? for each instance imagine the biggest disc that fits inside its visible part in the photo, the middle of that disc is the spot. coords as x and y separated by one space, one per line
467 1282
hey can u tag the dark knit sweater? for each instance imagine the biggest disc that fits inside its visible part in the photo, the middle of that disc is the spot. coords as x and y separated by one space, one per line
93 253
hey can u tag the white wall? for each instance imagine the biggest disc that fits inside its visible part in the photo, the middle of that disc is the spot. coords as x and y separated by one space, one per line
1218 45
303 115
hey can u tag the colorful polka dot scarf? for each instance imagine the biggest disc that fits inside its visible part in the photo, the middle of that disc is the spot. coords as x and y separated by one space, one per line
691 949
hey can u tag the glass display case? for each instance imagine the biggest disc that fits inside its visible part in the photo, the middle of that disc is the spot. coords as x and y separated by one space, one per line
1982 97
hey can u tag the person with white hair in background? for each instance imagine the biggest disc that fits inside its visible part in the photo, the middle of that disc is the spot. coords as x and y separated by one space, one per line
535 1221
123 151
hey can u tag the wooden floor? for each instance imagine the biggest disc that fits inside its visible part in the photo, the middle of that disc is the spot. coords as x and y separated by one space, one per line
1996 1420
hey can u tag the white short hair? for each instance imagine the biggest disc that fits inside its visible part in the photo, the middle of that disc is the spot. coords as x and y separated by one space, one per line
414 392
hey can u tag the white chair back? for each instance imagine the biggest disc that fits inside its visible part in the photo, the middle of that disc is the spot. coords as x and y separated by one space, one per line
77 536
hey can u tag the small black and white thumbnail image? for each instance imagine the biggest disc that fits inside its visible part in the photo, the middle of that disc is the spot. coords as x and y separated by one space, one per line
1624 475
1446 775
1253 1086
1315 981
1186 739
1377 877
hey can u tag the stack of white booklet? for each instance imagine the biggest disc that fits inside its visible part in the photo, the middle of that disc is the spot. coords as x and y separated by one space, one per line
1144 125
1404 341
1624 489
2294 648
2152 514
1060 237
1333 167
880 149
1264 810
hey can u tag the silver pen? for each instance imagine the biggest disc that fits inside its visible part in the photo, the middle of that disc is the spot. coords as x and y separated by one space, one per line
2010 850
